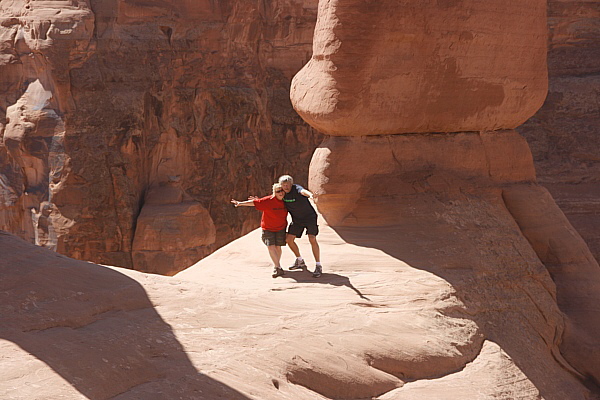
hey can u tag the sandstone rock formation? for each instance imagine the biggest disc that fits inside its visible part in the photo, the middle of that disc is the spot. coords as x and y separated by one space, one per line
443 197
382 322
563 134
410 310
449 272
76 330
117 115
396 67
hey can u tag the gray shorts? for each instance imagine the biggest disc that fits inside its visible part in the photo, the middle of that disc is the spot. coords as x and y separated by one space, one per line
274 238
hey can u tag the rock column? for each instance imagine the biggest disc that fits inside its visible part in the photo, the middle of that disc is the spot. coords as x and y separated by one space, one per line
420 101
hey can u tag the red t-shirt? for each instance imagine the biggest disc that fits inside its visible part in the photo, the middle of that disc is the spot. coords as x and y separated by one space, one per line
274 216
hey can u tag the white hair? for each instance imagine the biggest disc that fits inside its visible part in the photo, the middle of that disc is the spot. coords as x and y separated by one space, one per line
276 186
285 178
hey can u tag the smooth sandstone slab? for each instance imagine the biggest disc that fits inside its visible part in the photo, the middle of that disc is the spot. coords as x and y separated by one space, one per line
392 66
396 307
492 375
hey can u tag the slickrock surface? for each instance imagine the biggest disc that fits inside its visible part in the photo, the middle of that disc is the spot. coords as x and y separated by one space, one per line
113 114
423 66
563 134
400 312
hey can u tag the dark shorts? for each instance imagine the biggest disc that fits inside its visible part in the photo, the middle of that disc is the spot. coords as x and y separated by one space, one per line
297 227
274 238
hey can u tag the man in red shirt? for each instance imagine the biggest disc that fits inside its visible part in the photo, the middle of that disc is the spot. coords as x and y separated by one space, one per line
273 223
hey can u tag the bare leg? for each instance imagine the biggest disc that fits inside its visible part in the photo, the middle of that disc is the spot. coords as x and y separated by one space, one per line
275 253
290 239
315 247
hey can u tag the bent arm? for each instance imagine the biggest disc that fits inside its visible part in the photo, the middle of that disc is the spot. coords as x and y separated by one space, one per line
306 193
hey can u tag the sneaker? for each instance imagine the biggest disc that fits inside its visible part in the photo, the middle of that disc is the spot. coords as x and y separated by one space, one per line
298 265
278 272
318 271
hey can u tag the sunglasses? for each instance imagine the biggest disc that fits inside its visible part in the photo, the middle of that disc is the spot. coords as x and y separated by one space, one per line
279 191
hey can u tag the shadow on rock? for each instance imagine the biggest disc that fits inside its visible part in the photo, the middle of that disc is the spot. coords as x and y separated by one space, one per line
475 245
325 278
95 327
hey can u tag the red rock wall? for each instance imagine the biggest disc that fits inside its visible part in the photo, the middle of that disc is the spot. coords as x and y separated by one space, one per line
564 134
126 126
129 72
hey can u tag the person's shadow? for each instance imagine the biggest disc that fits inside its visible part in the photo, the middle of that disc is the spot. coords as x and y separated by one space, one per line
303 276
95 327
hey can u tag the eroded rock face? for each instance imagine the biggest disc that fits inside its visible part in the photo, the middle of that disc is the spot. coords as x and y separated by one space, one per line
563 134
39 47
104 104
391 67
366 181
430 194
170 231
417 187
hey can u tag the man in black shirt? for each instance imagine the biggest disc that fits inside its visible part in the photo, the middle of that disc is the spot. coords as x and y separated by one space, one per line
304 216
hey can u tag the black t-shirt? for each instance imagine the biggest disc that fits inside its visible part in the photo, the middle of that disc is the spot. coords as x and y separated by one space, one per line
298 205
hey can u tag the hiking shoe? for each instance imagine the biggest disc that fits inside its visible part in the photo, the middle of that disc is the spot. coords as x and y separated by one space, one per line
318 271
298 265
278 272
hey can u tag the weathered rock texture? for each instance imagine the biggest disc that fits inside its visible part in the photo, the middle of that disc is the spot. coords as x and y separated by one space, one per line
563 134
408 311
452 299
458 203
462 205
76 330
126 126
449 273
423 66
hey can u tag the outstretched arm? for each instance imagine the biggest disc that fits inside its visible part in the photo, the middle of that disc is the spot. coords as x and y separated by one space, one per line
247 203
